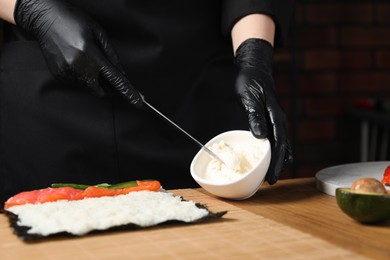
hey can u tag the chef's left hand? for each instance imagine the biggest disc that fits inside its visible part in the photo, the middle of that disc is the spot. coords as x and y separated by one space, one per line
255 88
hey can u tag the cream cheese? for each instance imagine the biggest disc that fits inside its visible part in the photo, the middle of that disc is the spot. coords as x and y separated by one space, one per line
239 159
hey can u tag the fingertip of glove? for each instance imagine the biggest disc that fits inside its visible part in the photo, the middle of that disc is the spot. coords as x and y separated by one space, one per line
271 178
272 181
258 132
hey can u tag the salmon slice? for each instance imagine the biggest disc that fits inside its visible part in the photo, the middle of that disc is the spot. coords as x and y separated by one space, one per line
63 193
25 197
142 185
43 195
70 193
97 192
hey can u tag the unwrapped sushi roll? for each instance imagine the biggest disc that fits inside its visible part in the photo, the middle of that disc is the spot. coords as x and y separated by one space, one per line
80 209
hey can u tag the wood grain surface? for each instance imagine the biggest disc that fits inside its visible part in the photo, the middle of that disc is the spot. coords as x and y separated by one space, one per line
298 204
296 225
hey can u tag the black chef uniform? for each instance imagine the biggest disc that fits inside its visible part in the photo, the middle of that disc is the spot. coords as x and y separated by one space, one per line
177 53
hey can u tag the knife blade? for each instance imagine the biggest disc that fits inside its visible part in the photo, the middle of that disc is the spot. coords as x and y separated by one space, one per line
202 146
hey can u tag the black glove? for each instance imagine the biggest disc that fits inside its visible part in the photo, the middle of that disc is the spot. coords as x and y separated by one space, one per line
74 46
255 88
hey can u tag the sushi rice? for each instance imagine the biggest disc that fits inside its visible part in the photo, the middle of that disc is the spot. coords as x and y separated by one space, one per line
142 208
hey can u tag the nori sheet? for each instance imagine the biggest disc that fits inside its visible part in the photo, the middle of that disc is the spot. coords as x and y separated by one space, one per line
22 231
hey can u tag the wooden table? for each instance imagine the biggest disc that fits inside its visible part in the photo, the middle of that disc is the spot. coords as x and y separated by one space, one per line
290 219
298 204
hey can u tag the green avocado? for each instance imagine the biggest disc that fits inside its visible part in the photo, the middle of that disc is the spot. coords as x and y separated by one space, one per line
364 207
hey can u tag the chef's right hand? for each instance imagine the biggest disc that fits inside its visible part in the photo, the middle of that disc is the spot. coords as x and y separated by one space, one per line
75 47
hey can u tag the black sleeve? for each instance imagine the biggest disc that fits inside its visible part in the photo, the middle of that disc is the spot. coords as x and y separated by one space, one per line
280 10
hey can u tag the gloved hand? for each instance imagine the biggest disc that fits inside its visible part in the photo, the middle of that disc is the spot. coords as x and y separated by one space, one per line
255 88
74 46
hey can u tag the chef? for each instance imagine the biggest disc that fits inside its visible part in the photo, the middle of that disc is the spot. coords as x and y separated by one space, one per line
72 73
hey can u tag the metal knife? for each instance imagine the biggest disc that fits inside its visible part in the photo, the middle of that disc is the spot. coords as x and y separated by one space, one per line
202 146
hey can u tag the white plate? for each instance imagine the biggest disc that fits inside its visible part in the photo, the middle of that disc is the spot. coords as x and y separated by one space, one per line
340 176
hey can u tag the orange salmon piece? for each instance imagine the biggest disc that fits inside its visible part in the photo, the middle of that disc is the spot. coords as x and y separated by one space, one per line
142 185
62 193
97 192
69 193
43 195
25 197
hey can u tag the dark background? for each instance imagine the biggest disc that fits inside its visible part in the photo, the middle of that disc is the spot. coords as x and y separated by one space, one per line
337 52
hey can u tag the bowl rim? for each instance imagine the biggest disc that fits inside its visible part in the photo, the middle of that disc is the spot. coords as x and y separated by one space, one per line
207 182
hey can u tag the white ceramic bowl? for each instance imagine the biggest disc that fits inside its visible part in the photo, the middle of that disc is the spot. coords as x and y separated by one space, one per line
243 187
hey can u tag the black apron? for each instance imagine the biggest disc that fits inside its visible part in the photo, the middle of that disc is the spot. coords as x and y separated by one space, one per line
173 51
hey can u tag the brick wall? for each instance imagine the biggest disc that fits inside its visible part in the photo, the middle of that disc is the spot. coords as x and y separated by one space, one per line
342 52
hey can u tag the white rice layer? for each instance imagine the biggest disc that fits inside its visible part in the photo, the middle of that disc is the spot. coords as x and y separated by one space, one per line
143 208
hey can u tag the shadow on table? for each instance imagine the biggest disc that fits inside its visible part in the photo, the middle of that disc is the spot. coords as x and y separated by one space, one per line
286 192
